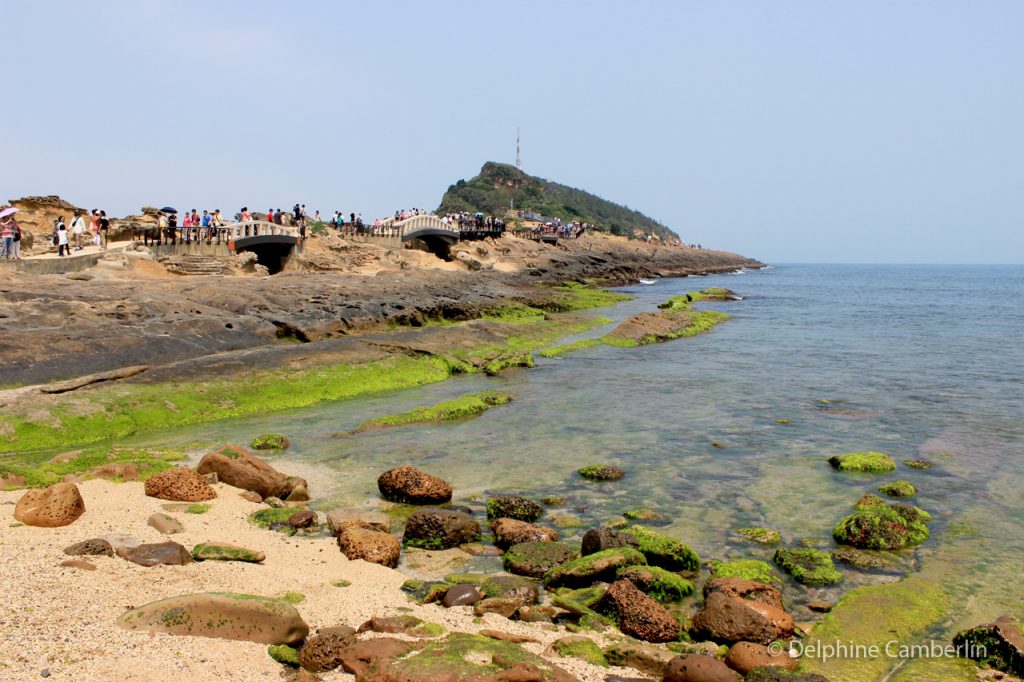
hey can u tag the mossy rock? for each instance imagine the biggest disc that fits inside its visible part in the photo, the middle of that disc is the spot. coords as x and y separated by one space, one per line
580 647
197 508
270 441
664 586
808 566
597 566
922 464
282 653
882 526
664 551
513 507
587 596
998 645
898 489
746 569
291 597
534 559
266 518
425 591
553 500
212 551
762 536
644 514
464 656
864 462
601 472
860 559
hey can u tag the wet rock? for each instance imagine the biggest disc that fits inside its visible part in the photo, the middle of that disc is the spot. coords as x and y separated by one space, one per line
729 620
224 615
699 668
598 539
323 651
576 646
919 463
534 559
57 505
664 550
513 507
339 519
746 590
638 615
440 529
508 532
237 467
898 489
163 523
462 595
78 563
222 551
270 441
746 569
820 605
90 547
762 536
305 518
601 472
372 655
370 545
537 614
299 493
782 675
503 606
117 471
663 586
999 645
643 657
156 554
179 484
511 587
876 525
744 657
645 515
808 566
859 559
866 462
409 485
599 566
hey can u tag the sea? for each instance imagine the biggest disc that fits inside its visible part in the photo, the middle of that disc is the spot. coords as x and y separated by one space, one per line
733 428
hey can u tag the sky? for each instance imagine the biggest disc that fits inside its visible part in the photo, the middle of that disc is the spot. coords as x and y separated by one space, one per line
788 131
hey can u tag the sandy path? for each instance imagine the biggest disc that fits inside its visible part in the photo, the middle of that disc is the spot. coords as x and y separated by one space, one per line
62 619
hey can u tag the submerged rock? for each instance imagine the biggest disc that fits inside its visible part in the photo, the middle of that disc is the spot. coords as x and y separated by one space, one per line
220 614
808 566
871 462
270 441
762 536
876 525
919 463
513 507
898 489
601 472
409 485
57 505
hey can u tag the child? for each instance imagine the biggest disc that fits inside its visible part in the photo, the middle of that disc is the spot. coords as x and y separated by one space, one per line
63 247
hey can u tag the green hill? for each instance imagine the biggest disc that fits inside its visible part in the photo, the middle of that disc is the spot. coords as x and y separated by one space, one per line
500 185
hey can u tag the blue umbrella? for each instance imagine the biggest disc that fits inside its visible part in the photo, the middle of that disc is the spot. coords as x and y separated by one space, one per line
168 209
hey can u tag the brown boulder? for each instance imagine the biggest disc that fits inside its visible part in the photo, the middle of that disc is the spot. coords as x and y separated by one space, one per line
727 619
235 466
508 532
90 547
461 595
305 518
638 615
56 505
746 656
164 523
699 668
370 545
440 529
745 589
361 658
409 485
162 553
503 606
322 651
179 484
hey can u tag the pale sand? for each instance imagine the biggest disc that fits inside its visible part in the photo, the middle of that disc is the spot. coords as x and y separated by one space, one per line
63 619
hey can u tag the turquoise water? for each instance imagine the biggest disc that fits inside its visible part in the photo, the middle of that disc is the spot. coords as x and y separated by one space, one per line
917 361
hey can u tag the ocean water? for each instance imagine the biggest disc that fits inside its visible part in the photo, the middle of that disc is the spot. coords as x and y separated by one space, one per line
916 361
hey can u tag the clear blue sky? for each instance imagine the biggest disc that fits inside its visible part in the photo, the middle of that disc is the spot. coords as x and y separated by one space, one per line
788 131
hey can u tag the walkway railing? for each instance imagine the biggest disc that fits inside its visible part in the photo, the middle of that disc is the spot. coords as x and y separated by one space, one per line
257 228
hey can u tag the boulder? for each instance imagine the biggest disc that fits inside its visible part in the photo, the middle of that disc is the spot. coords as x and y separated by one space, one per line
56 505
219 614
744 657
223 551
747 590
508 532
664 550
638 615
503 606
179 484
361 658
598 539
440 529
513 507
409 485
322 651
534 559
999 645
586 570
157 554
237 467
664 586
90 547
370 545
807 565
730 620
699 668
164 523
461 595
876 525
305 518
339 519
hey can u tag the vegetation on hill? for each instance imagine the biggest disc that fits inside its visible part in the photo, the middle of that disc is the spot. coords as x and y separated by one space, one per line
500 185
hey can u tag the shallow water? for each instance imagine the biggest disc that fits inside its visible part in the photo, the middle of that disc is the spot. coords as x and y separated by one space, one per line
917 361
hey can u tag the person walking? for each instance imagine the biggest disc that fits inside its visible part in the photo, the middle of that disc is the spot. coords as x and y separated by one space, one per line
104 230
63 243
94 226
7 234
17 239
78 229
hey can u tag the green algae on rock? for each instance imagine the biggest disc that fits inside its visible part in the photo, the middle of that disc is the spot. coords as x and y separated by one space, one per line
41 469
808 566
664 586
998 645
898 489
922 464
580 647
513 507
644 514
221 551
270 441
601 565
601 472
883 526
534 559
266 518
746 569
664 550
284 654
463 407
762 536
868 462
